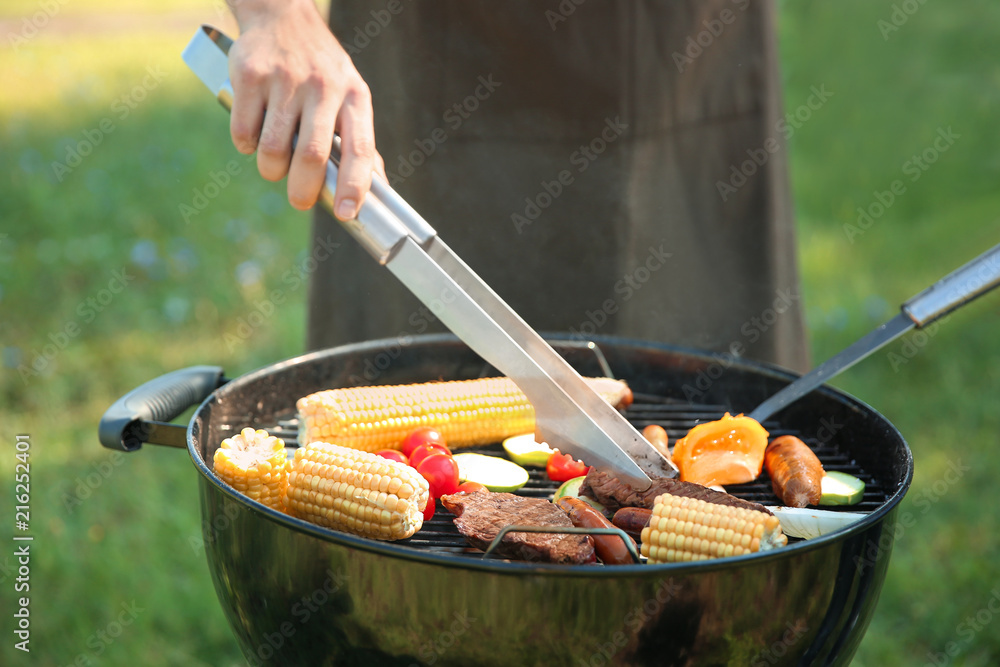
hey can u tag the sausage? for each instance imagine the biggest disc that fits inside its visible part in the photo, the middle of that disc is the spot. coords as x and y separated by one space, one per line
609 548
657 437
632 519
796 473
615 392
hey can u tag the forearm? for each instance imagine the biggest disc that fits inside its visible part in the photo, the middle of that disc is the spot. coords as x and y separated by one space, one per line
252 12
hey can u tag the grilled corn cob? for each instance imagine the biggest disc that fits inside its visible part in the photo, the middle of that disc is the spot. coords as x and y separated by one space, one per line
254 463
465 412
686 529
356 491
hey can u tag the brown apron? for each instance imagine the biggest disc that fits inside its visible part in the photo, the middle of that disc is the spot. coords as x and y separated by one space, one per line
607 167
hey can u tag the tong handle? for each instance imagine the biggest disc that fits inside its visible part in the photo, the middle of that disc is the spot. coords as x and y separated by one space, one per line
958 288
376 228
417 227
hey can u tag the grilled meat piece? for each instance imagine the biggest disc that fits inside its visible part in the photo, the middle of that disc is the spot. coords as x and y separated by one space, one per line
480 516
615 494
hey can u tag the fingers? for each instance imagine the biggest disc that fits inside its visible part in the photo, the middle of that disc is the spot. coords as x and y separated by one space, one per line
274 150
357 160
290 75
380 166
308 169
264 114
249 103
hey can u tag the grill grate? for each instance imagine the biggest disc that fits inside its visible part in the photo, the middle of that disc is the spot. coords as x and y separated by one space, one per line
677 418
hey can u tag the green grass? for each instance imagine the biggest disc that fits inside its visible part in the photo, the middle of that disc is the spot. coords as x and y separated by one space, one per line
190 283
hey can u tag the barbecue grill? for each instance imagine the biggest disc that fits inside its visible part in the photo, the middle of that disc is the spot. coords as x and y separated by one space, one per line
298 593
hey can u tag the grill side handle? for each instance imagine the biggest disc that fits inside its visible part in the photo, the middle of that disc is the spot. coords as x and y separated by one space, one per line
143 414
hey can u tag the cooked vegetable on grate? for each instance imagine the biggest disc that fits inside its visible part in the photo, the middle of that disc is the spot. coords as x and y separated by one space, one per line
687 529
840 488
524 451
357 492
441 473
571 489
254 463
726 451
419 437
563 467
807 523
494 473
465 412
393 455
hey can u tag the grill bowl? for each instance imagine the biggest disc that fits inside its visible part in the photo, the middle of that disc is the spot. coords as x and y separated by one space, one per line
296 593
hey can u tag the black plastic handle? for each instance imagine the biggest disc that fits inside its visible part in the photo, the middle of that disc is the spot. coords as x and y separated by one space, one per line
133 419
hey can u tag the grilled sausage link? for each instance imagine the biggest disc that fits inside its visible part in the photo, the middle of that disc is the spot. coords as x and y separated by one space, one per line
632 519
657 437
609 548
796 473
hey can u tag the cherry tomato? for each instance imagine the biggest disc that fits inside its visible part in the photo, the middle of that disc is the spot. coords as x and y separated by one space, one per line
429 510
441 473
421 436
562 467
470 487
393 455
423 451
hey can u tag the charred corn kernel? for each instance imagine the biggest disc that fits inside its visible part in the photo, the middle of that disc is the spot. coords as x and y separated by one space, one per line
356 491
686 529
465 412
254 463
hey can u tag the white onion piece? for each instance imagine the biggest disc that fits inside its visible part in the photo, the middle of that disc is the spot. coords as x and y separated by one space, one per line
807 523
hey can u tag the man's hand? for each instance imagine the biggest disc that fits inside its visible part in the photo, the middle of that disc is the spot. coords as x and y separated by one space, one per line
290 74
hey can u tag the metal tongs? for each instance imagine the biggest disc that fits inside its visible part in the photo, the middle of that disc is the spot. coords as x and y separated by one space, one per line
569 415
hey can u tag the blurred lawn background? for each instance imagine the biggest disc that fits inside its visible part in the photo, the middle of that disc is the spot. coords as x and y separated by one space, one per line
113 529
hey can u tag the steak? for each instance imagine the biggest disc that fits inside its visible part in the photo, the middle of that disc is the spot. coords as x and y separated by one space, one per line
615 494
480 516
